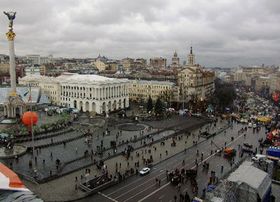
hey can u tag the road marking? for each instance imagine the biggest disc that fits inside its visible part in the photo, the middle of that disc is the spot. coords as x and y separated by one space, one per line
108 197
167 165
191 168
154 192
141 191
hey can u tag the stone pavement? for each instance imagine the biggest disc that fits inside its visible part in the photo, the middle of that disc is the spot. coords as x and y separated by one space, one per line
63 188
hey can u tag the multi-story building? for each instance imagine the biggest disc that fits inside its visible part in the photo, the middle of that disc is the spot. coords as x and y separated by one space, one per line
127 63
33 59
275 82
100 65
112 65
158 63
142 89
195 82
175 61
90 93
140 63
33 69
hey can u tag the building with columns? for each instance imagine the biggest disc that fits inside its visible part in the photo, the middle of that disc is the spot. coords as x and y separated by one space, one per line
90 93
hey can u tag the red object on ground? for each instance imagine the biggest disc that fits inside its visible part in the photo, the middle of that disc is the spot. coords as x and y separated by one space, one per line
29 118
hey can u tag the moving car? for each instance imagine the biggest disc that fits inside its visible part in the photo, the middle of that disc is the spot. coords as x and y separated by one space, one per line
250 125
258 157
144 171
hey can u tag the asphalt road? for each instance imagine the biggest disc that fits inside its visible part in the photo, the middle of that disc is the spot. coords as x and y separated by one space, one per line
145 188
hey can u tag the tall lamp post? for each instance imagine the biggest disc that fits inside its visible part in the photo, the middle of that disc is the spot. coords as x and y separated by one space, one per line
30 119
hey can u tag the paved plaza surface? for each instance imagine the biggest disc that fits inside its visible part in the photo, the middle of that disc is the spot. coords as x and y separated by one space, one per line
70 148
145 188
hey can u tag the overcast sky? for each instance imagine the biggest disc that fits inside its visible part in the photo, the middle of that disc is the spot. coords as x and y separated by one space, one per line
222 32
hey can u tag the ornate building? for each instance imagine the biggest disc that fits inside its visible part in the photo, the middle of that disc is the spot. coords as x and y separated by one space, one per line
90 93
191 58
194 82
175 61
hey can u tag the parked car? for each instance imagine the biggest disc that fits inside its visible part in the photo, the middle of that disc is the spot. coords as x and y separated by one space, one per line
250 125
144 171
259 157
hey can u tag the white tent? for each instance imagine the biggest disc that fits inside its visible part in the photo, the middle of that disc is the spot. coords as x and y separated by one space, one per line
252 183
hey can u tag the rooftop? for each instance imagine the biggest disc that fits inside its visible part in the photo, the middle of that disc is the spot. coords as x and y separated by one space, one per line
252 176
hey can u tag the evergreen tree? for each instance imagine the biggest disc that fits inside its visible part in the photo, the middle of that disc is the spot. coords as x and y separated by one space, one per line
150 104
159 107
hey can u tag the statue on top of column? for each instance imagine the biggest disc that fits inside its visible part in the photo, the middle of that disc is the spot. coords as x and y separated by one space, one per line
11 16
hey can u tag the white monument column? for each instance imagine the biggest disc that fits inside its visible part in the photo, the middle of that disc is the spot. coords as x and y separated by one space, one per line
10 36
14 104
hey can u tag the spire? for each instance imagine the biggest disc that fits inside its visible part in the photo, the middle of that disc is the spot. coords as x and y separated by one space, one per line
175 54
191 50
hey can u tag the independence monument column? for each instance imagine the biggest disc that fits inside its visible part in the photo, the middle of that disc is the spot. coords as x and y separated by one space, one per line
14 104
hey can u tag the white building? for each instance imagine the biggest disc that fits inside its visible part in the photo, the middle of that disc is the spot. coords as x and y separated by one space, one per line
34 69
34 59
90 93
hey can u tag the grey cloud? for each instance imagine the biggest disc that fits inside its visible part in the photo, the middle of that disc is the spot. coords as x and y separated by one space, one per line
223 33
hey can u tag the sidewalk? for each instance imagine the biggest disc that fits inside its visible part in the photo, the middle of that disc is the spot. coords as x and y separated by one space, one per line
63 188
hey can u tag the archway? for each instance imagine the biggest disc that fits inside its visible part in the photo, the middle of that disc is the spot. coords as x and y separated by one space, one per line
124 103
103 107
81 106
75 104
114 105
18 112
93 107
120 104
109 106
87 107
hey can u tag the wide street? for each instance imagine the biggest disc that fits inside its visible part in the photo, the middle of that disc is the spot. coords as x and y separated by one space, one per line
145 188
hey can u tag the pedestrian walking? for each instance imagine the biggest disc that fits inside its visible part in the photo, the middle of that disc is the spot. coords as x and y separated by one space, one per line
175 198
222 169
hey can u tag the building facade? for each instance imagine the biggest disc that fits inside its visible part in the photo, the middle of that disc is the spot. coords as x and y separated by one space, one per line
142 89
158 63
127 63
34 69
195 82
88 93
175 61
191 58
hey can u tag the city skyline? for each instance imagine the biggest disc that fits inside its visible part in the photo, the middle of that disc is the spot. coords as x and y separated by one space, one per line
223 33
